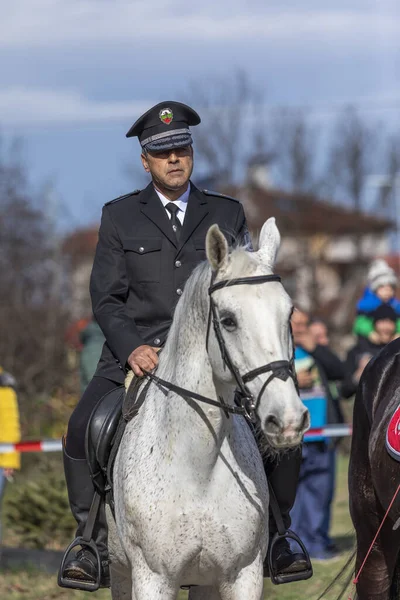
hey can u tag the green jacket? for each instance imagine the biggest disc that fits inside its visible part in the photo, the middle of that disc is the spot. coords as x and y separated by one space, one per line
364 325
92 339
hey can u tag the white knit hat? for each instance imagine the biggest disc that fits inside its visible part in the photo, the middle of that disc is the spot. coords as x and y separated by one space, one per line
381 274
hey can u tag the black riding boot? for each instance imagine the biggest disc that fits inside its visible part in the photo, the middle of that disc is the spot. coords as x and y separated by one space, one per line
282 474
83 568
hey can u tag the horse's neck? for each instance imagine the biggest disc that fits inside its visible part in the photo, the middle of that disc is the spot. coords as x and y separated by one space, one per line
193 430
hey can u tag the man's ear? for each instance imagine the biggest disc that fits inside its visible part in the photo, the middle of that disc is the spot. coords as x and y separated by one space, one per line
145 163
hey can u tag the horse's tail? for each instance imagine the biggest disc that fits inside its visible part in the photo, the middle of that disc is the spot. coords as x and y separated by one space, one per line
344 577
394 593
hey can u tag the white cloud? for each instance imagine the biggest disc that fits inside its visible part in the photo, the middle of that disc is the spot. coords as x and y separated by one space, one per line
21 106
50 23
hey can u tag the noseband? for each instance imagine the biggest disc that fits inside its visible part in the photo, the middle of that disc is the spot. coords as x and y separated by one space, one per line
245 402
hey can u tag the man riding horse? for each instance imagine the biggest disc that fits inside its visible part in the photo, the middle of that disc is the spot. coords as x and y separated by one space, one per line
149 243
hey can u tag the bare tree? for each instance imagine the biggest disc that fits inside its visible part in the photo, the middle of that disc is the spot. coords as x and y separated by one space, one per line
350 156
296 149
238 130
34 304
233 125
389 190
393 156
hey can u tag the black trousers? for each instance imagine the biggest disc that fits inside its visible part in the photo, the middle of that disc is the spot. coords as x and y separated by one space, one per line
283 475
282 471
75 440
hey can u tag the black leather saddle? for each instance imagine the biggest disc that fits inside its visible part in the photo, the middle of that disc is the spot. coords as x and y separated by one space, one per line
105 430
101 436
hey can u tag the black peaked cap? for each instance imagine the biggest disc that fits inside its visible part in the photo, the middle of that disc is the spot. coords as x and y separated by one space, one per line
165 125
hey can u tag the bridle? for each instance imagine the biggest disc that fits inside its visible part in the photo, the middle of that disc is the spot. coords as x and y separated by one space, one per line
245 403
279 369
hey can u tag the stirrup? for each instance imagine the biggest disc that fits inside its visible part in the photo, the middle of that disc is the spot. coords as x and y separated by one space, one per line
77 584
279 578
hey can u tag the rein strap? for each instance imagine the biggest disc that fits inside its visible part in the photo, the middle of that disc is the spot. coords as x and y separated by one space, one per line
237 410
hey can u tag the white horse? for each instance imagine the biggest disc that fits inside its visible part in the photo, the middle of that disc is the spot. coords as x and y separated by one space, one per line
191 496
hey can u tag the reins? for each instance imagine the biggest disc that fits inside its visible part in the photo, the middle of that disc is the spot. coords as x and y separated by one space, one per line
245 403
237 410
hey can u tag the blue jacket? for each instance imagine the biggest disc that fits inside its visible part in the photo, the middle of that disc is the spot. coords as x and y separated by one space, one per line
370 302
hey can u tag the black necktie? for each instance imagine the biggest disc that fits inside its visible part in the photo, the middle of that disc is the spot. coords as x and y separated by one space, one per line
175 222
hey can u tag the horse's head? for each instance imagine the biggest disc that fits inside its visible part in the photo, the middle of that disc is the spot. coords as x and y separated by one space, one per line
254 320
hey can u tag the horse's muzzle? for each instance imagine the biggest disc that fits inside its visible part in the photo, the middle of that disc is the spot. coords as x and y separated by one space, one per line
285 435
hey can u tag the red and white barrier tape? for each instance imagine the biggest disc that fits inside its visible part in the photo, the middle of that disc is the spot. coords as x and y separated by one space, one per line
329 431
38 446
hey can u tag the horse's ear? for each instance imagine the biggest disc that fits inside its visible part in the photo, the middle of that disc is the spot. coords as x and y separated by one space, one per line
216 248
270 240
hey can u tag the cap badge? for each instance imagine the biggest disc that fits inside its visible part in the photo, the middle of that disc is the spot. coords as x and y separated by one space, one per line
166 115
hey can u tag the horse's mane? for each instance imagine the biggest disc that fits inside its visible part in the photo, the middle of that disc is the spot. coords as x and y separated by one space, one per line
192 308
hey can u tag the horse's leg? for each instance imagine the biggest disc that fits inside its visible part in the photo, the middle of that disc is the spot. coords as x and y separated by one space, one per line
156 587
376 579
249 584
367 514
204 593
121 586
147 585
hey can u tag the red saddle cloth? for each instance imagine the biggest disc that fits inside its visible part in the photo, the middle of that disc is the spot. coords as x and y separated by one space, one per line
393 435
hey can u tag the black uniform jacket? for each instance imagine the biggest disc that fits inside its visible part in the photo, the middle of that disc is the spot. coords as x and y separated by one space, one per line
363 346
139 269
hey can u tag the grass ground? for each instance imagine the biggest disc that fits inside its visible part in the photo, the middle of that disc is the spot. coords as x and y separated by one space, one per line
32 585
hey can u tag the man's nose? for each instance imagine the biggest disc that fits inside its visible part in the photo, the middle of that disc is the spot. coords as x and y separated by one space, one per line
173 157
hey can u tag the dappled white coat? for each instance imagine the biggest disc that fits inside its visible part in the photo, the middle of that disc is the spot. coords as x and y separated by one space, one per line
191 497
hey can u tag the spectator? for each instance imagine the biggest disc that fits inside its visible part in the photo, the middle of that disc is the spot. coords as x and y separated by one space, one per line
92 340
9 431
381 290
384 320
320 332
316 366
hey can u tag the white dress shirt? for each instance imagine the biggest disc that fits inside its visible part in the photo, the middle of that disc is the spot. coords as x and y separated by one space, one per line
181 203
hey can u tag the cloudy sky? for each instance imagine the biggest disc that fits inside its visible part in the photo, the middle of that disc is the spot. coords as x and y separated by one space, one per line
75 74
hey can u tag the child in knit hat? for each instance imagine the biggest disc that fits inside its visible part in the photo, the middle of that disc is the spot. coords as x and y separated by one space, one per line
382 283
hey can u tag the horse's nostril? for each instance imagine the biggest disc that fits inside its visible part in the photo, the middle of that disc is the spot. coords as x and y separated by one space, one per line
305 421
273 424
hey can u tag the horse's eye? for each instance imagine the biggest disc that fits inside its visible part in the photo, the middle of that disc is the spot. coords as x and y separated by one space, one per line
228 323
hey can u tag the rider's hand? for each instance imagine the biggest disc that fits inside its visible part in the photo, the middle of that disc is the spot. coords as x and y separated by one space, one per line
143 357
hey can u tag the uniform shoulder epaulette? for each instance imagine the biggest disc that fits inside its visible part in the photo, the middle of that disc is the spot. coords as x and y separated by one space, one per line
134 193
210 193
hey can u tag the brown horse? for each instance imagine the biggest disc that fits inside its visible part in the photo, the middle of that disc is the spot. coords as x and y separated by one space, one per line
374 477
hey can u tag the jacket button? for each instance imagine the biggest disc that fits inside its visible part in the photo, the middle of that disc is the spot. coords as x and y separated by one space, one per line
178 264
157 341
179 291
141 249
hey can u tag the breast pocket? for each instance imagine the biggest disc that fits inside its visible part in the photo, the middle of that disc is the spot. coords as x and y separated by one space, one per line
200 246
143 258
